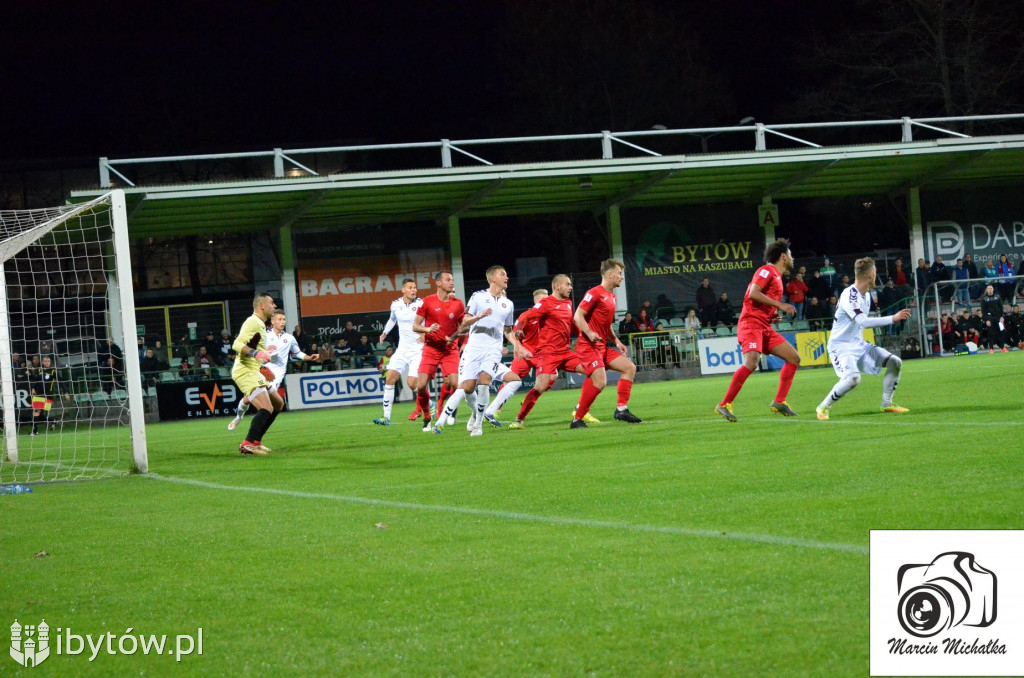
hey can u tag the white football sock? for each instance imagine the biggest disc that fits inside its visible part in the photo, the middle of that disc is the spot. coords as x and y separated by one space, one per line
389 399
506 392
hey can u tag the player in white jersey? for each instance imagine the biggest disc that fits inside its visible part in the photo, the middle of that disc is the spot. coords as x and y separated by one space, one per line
850 353
489 319
281 346
406 359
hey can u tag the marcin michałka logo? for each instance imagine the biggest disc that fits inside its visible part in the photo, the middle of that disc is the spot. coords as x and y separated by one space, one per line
938 607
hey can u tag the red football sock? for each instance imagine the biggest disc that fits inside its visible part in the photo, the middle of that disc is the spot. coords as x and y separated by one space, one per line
528 402
423 402
442 397
588 395
623 389
738 377
785 381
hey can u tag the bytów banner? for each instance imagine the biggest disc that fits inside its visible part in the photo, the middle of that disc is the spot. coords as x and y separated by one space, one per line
669 251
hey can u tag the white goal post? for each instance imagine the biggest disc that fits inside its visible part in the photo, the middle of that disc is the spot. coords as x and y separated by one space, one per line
72 393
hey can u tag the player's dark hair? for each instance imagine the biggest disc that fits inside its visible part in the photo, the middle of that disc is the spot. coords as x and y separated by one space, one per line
774 252
407 281
440 274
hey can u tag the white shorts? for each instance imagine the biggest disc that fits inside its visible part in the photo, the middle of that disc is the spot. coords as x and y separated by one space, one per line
406 361
473 363
278 378
863 357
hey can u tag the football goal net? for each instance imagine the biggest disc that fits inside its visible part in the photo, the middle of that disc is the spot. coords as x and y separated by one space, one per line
69 365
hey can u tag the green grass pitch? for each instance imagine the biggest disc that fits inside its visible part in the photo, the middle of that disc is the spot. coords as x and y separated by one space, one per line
681 546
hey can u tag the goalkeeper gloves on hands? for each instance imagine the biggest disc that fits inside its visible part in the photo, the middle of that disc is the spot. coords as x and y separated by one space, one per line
262 356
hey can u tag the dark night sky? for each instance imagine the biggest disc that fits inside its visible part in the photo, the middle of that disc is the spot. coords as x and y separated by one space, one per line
141 78
132 79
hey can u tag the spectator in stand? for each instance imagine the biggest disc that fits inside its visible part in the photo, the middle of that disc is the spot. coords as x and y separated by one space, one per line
950 335
992 318
816 286
382 364
816 314
937 274
972 272
302 340
203 363
989 272
664 308
963 292
724 312
833 302
185 372
350 334
797 290
843 283
900 278
229 361
1015 327
226 340
644 321
159 350
343 354
969 327
1004 269
668 354
326 354
111 362
212 346
691 321
828 273
150 368
628 325
923 277
364 352
140 343
706 303
889 304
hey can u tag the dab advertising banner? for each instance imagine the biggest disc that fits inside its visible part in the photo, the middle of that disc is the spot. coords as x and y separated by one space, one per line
346 274
984 223
669 251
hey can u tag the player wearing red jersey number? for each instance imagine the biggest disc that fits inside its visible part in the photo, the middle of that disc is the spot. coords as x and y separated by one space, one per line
554 315
599 347
755 333
527 328
438 319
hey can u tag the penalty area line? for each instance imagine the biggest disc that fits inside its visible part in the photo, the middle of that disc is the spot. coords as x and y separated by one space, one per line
773 540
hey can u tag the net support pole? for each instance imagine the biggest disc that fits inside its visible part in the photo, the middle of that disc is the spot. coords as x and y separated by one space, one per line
7 375
126 301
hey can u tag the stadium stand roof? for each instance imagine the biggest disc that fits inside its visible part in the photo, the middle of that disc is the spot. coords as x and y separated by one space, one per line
804 169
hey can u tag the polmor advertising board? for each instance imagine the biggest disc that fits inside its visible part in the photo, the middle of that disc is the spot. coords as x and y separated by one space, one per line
331 389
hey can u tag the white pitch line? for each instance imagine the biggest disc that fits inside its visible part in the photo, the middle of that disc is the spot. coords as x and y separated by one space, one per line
534 518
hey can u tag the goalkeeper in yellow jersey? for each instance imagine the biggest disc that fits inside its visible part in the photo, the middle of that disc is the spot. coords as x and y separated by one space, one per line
250 345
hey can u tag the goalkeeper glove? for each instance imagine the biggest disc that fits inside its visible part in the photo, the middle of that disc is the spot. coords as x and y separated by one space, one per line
262 356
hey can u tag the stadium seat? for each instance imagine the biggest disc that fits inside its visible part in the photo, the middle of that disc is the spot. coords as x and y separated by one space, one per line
83 401
167 376
785 326
707 332
119 394
100 397
801 326
175 363
151 392
723 331
675 322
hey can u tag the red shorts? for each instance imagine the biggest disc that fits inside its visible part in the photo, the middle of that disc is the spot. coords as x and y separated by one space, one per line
267 374
448 359
521 367
552 361
757 338
593 356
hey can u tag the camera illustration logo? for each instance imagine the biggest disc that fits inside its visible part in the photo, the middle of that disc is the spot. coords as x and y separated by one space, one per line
950 591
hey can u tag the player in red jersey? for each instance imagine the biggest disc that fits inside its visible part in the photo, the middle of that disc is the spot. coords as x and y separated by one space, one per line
754 331
599 347
554 316
527 329
438 319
